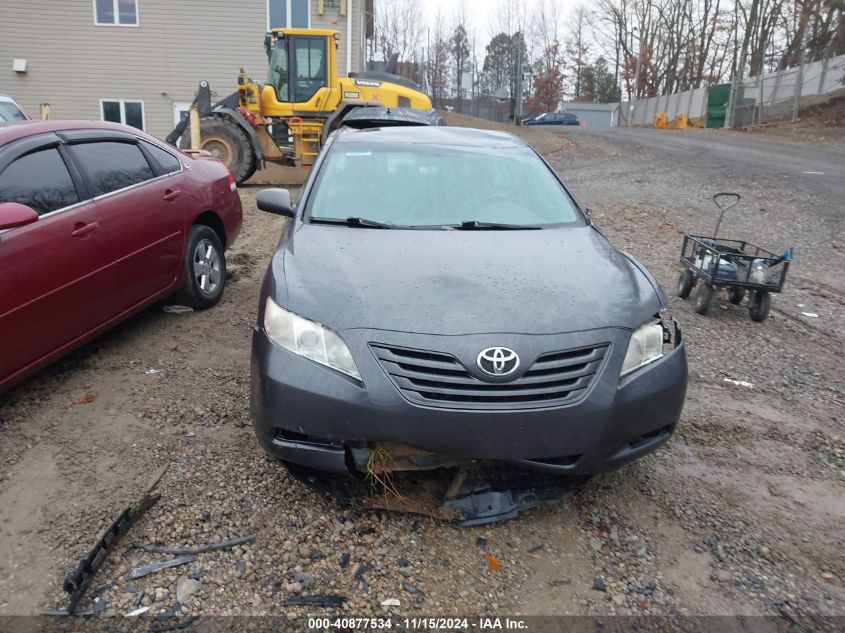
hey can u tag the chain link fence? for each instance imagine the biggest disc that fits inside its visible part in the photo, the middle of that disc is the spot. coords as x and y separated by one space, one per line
765 98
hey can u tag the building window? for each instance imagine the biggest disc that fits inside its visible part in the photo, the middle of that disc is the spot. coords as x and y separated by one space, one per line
116 12
120 111
282 14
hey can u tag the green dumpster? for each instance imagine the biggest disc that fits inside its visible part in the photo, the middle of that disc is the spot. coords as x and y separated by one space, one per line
718 98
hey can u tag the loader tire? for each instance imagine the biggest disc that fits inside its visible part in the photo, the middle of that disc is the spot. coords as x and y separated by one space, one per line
230 145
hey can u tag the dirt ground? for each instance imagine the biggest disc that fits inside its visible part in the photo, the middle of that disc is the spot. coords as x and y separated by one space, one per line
741 513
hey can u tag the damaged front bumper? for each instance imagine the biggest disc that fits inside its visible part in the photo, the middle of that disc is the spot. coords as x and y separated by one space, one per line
310 416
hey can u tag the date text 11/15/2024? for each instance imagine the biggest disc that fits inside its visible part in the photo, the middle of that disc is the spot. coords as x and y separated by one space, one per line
417 624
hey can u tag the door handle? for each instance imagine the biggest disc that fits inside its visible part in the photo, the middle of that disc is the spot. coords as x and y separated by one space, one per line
171 194
81 229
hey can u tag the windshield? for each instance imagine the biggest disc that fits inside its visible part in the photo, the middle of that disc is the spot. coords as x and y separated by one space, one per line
437 186
10 112
309 68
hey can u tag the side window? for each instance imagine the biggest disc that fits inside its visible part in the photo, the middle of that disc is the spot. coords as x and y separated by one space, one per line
10 112
39 180
111 165
278 74
169 163
310 60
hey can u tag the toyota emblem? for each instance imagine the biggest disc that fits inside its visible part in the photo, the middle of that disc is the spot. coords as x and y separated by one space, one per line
498 361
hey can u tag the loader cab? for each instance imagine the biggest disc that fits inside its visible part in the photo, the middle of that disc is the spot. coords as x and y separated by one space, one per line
301 75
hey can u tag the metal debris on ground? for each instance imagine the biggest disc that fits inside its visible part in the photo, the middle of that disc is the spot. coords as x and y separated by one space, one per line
136 612
76 583
200 549
739 383
146 570
186 624
177 309
314 601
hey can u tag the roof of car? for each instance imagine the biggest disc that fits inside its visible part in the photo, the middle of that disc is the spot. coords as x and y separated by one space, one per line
432 135
22 129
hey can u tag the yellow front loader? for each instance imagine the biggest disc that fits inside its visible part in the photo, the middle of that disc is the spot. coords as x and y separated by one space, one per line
287 119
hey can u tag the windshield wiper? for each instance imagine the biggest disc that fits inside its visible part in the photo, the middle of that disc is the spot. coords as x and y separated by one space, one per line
476 225
359 222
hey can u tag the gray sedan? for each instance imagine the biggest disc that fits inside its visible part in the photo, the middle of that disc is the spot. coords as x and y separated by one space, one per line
440 295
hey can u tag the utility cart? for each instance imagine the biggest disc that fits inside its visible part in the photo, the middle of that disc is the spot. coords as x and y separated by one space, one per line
736 266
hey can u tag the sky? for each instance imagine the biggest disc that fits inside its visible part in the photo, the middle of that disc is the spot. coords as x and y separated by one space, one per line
479 11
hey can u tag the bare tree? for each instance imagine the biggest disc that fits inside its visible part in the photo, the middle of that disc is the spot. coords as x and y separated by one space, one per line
577 47
438 60
399 28
546 24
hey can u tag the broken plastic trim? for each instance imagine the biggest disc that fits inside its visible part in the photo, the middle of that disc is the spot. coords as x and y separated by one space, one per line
485 493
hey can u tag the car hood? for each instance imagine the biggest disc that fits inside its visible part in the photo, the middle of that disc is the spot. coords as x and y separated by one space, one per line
460 282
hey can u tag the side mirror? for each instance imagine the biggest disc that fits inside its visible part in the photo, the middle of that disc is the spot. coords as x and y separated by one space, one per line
275 201
13 215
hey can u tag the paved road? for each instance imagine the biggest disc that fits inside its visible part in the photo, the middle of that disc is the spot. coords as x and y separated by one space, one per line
812 170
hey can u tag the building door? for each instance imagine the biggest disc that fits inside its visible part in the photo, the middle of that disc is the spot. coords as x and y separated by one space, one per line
180 111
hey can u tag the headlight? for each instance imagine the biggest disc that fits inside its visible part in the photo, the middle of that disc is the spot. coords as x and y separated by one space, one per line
309 339
646 346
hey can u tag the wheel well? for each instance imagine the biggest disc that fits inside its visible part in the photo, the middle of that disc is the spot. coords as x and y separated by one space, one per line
213 221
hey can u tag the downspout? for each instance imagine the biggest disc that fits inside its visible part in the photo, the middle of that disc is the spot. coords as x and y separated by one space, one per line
349 37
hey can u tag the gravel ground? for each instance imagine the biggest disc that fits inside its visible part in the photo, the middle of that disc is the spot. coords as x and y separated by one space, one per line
741 513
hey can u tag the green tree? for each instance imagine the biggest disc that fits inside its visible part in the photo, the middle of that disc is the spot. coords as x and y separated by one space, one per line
587 84
498 62
606 90
501 63
460 54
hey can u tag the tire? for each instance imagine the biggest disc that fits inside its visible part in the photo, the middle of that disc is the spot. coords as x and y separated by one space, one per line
230 145
686 282
759 304
704 298
205 271
736 295
249 173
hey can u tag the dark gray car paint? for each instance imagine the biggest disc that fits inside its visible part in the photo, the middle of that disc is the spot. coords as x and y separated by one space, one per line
460 282
458 292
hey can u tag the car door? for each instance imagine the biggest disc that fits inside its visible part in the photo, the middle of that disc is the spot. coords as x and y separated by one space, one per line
55 277
142 202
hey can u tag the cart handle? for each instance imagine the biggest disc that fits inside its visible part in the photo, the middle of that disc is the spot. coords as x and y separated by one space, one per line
724 206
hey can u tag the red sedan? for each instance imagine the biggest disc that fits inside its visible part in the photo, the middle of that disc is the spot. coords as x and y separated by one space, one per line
98 221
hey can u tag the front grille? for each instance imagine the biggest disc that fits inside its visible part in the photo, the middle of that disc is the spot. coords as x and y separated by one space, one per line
437 378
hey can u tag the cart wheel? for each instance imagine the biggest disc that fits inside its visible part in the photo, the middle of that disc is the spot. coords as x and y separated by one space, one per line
759 304
704 298
736 295
686 282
